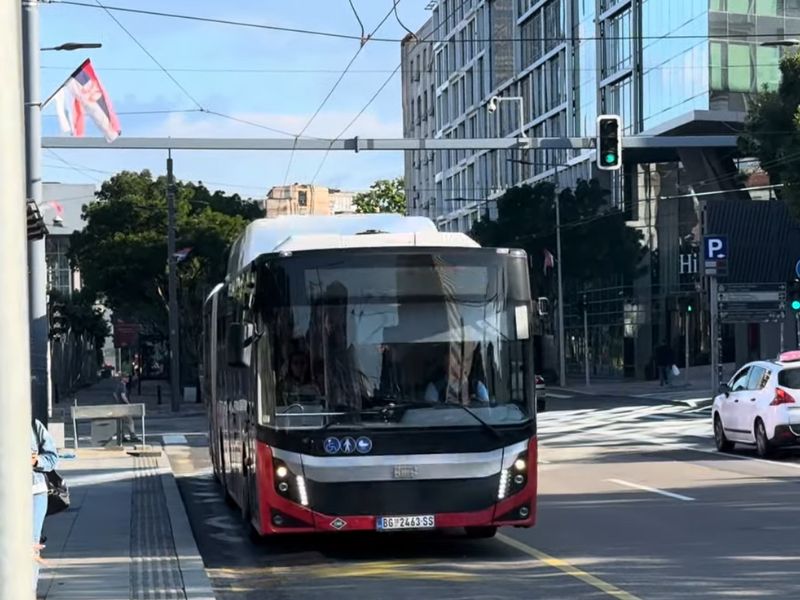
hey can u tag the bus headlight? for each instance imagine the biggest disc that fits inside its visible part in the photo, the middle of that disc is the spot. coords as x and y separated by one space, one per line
288 484
514 478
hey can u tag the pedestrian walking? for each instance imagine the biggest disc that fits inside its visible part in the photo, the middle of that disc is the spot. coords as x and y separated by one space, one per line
665 358
43 460
121 397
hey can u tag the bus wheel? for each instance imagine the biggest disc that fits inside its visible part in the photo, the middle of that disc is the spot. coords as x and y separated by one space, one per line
480 533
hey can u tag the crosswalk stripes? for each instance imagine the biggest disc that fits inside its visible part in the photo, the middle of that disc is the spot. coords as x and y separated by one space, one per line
662 423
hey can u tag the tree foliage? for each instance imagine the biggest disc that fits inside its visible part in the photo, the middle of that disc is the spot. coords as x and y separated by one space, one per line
384 196
122 251
596 243
772 132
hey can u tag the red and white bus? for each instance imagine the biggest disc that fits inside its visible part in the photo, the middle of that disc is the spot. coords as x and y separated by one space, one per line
369 372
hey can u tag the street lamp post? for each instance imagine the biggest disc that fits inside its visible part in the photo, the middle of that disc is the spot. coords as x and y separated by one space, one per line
37 261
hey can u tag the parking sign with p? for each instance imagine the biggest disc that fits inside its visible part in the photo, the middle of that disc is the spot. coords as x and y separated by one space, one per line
716 247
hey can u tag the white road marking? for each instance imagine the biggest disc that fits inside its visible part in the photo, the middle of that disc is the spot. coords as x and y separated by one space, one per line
173 439
561 396
651 489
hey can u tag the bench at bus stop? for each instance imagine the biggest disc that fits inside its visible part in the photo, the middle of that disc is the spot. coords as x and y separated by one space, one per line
101 414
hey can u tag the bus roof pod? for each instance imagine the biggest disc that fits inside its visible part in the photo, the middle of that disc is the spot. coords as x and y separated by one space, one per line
298 233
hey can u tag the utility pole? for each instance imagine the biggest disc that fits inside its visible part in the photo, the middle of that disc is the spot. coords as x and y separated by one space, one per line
562 371
37 263
172 265
16 564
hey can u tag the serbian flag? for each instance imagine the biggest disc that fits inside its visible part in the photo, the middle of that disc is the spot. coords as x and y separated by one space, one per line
83 93
182 254
549 260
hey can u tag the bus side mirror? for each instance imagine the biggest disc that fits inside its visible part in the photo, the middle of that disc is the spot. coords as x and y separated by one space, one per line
239 344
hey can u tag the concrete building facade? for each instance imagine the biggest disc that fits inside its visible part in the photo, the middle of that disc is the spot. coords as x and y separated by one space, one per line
297 199
304 199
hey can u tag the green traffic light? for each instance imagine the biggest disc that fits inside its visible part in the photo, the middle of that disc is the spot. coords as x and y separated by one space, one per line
611 158
795 305
689 308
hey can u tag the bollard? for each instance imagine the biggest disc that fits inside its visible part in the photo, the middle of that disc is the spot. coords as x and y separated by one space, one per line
158 393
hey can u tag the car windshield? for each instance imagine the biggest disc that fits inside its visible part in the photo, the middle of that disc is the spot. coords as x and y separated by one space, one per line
395 341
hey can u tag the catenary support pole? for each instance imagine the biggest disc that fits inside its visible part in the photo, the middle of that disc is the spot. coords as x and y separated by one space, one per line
172 264
37 263
16 543
562 370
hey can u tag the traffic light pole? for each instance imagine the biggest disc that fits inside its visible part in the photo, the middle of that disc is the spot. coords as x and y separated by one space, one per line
586 342
686 323
797 329
715 342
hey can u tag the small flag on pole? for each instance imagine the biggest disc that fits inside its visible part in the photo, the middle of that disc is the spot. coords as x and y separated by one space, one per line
549 260
86 94
182 254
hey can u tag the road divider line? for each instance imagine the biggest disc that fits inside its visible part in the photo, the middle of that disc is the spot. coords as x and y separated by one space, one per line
560 396
567 568
647 488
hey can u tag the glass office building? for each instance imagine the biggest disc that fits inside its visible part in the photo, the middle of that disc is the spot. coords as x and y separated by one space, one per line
665 66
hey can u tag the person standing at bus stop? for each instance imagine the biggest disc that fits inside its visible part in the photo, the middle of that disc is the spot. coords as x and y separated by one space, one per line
44 457
665 358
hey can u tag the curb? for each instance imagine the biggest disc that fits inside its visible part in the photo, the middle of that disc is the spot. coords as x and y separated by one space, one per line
196 584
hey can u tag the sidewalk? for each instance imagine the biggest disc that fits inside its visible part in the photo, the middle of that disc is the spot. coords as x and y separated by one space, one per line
693 385
126 534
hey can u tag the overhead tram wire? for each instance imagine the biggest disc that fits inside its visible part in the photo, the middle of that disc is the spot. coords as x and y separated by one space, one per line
200 107
337 35
341 77
377 93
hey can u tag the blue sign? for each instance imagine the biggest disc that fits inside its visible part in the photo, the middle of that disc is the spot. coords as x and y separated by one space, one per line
332 445
348 445
363 445
797 268
715 247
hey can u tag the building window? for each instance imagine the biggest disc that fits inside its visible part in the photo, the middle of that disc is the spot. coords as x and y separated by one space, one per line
618 44
302 198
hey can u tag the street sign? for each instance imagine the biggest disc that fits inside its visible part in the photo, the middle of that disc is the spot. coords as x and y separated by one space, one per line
797 268
752 287
715 247
751 302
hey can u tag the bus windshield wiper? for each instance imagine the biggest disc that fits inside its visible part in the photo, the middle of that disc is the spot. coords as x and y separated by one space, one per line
335 420
485 425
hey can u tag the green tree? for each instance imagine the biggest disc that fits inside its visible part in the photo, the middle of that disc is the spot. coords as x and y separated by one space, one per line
772 132
596 243
122 250
384 196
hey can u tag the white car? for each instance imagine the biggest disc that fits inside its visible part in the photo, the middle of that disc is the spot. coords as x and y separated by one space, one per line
760 406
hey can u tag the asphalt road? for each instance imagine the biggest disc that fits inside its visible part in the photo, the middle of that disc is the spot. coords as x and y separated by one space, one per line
634 503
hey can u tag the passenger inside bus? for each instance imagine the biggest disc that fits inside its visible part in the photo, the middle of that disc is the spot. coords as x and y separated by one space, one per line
448 384
298 377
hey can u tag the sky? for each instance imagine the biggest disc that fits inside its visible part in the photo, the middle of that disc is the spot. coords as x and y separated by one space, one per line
286 76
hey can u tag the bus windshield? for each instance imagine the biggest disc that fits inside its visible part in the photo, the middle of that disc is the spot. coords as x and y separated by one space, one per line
398 340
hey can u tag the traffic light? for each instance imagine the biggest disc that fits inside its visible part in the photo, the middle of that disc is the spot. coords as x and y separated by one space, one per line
609 142
793 296
686 306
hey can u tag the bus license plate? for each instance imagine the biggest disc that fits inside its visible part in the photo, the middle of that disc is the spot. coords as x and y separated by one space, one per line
405 522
